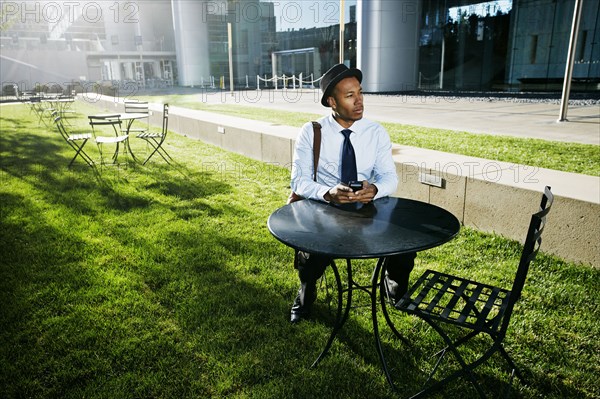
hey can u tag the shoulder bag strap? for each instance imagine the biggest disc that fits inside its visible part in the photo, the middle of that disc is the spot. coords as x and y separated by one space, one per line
316 153
316 147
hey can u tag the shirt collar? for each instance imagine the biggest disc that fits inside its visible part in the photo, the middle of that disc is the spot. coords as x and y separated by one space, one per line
356 126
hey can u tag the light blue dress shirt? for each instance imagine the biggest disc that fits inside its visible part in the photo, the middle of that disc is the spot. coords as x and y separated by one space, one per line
373 150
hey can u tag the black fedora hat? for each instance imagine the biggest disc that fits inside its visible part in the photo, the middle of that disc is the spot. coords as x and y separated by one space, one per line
333 76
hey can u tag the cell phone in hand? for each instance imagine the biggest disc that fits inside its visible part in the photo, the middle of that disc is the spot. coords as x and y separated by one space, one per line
355 185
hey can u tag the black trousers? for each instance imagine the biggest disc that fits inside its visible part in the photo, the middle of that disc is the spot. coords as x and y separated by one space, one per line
311 267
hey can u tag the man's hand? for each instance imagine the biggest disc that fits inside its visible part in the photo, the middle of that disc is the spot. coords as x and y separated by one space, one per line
342 194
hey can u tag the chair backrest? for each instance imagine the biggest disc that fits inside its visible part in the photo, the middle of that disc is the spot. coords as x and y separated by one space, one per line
61 127
530 250
113 120
136 106
165 124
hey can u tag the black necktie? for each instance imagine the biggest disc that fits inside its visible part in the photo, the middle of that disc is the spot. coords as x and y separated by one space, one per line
348 159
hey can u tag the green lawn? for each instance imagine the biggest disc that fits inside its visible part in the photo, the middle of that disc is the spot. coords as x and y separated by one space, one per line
163 281
567 157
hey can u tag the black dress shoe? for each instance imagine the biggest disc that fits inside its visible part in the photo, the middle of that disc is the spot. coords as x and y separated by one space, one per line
391 289
307 294
395 291
298 312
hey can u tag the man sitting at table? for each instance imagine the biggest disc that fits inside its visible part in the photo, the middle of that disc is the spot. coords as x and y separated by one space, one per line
352 149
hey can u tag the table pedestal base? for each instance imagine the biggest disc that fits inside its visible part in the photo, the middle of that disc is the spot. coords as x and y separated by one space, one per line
342 312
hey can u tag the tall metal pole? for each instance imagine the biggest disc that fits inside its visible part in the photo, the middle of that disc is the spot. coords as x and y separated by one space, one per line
442 62
230 48
564 101
274 69
342 31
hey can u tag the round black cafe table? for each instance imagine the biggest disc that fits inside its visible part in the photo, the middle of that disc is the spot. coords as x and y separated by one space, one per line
385 227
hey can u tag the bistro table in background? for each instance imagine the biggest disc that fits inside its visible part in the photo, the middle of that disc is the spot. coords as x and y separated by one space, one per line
61 104
387 226
128 118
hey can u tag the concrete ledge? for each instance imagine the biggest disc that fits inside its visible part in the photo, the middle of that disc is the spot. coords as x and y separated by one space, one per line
487 195
500 197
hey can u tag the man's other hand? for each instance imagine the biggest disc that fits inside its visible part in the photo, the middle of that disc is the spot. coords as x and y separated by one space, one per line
342 194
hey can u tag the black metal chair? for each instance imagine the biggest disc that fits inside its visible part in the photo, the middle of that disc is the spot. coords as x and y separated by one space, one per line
64 104
138 107
75 141
113 121
40 107
442 299
156 139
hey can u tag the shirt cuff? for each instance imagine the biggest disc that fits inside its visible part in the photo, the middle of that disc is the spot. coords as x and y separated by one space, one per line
378 194
321 194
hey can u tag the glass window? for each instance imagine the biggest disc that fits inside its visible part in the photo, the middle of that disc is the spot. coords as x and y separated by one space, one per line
464 47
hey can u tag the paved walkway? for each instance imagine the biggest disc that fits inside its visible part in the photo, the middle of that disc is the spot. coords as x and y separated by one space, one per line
511 117
498 116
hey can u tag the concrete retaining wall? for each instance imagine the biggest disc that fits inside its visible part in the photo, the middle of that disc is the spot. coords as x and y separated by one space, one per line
487 195
500 197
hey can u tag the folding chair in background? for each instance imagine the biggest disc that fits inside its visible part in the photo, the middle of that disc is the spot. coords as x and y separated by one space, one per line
40 108
478 308
76 141
113 122
138 107
157 139
64 104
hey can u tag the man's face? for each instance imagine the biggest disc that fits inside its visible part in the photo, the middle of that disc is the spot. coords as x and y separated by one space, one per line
346 101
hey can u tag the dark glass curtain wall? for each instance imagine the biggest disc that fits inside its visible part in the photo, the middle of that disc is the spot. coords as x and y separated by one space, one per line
518 45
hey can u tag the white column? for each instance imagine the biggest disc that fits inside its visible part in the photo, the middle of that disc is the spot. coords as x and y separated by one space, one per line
564 102
191 40
388 44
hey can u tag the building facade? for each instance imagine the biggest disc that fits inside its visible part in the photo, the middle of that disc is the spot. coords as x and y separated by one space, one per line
401 45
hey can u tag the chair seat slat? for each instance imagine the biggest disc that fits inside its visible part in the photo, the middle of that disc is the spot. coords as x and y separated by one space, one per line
440 294
490 304
457 295
116 139
425 290
501 311
82 136
466 311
